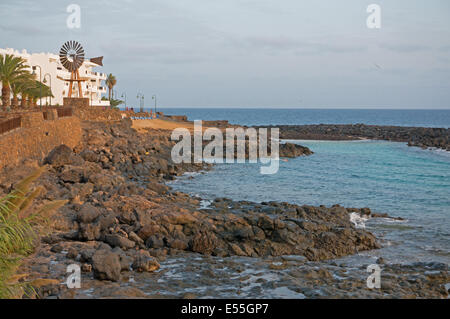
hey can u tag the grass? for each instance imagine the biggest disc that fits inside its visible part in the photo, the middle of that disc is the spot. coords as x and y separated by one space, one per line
18 233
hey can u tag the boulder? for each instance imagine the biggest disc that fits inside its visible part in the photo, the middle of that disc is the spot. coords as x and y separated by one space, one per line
293 150
144 263
119 241
63 155
204 242
106 265
88 213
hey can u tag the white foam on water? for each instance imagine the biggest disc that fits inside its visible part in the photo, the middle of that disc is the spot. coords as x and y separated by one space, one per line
358 220
440 151
205 203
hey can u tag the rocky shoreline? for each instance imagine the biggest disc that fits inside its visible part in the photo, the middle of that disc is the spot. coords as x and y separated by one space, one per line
415 136
130 233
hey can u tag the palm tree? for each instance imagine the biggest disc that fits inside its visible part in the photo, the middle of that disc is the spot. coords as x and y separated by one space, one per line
36 91
110 82
19 86
31 92
11 67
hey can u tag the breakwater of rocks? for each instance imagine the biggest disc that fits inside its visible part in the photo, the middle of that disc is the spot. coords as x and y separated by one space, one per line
415 136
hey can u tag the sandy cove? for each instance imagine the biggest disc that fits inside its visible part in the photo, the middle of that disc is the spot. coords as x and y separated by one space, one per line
134 237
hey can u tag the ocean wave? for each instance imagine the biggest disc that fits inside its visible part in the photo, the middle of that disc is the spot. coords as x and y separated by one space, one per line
358 220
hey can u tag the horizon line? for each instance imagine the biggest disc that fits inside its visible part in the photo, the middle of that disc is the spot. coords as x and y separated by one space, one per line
294 108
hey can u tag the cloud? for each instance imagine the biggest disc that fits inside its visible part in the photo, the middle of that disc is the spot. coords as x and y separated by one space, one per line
445 48
404 47
24 30
297 46
134 52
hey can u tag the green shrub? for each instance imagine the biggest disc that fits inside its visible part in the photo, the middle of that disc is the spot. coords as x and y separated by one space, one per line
18 232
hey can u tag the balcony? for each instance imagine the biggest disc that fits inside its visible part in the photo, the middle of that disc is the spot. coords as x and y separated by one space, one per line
99 75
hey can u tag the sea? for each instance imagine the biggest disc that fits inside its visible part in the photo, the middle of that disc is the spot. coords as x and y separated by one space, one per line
388 177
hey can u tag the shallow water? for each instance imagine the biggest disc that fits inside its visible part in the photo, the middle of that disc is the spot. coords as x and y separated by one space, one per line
388 177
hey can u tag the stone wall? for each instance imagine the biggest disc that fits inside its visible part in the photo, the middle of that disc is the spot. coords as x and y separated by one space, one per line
37 137
98 113
76 102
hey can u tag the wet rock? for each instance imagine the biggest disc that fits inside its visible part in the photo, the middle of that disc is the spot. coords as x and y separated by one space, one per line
204 242
72 253
57 248
144 263
294 258
293 150
106 265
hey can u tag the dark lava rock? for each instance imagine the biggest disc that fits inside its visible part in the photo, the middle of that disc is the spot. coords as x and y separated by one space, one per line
88 213
293 150
119 241
106 265
57 248
62 155
72 253
144 263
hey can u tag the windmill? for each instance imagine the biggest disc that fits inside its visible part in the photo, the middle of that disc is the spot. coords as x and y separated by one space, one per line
71 57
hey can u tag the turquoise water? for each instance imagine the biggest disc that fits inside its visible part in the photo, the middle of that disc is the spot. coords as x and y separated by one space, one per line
388 177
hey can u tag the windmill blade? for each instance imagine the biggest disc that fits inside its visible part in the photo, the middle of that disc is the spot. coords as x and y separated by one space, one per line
72 55
97 60
64 48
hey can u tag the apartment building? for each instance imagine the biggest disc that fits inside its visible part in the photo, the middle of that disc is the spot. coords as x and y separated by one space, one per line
49 69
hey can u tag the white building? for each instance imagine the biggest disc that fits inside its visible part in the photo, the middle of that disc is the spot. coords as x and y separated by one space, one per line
55 75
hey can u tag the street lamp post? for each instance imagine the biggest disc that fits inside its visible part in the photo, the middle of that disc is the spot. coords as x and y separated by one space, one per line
141 102
124 94
40 80
154 98
139 97
45 81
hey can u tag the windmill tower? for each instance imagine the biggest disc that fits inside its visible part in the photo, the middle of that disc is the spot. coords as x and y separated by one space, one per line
71 56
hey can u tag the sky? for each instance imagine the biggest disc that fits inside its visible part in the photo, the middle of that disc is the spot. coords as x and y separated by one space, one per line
252 53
